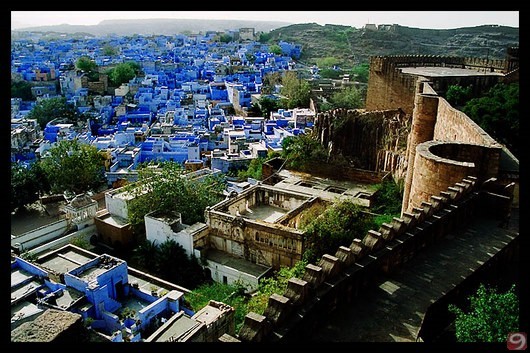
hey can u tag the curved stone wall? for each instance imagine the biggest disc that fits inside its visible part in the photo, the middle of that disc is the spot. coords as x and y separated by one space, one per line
439 164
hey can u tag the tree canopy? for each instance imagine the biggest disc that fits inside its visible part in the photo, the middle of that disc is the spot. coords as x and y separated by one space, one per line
302 151
170 262
347 98
457 95
123 73
361 72
21 89
498 114
49 109
86 64
334 226
167 188
491 316
297 90
275 49
74 167
27 183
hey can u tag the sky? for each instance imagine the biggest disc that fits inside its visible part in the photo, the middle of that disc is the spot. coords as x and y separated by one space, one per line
357 19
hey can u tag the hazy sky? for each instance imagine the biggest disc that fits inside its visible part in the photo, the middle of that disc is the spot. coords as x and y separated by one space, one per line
419 19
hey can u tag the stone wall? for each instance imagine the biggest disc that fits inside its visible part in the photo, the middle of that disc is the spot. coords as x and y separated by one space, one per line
341 277
454 125
263 243
373 141
438 165
434 119
389 88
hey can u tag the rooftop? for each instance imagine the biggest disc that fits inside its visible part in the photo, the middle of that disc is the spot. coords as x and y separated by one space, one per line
437 71
237 263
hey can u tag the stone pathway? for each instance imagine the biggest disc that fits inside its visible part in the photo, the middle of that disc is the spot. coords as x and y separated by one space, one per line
393 309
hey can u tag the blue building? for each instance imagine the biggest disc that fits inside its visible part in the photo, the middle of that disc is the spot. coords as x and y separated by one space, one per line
118 302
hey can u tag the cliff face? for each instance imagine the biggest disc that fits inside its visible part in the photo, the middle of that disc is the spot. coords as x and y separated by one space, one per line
372 140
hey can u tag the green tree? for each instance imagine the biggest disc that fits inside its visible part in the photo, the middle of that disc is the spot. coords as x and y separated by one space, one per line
268 105
109 50
137 68
74 167
49 109
274 284
297 90
361 72
275 49
145 255
302 152
330 73
167 188
497 112
250 57
457 95
122 73
253 170
225 38
21 89
27 184
264 37
348 98
230 294
327 62
491 316
270 80
86 64
337 226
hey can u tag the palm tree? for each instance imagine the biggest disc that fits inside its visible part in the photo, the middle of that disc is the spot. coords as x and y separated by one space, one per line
145 255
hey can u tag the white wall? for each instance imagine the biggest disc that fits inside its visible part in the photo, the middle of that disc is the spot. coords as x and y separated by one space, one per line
40 235
232 275
116 206
158 231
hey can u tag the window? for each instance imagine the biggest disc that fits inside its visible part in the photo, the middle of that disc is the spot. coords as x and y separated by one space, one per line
225 280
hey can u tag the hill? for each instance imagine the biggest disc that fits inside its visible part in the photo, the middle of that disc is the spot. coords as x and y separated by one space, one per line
157 26
353 46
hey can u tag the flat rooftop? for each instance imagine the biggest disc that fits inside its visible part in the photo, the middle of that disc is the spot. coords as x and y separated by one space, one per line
179 327
437 71
237 263
326 189
64 262
113 220
265 213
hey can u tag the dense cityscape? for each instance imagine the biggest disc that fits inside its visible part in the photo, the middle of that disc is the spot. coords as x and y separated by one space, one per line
220 187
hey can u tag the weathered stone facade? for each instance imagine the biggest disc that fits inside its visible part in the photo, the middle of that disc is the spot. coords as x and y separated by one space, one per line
371 140
271 239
